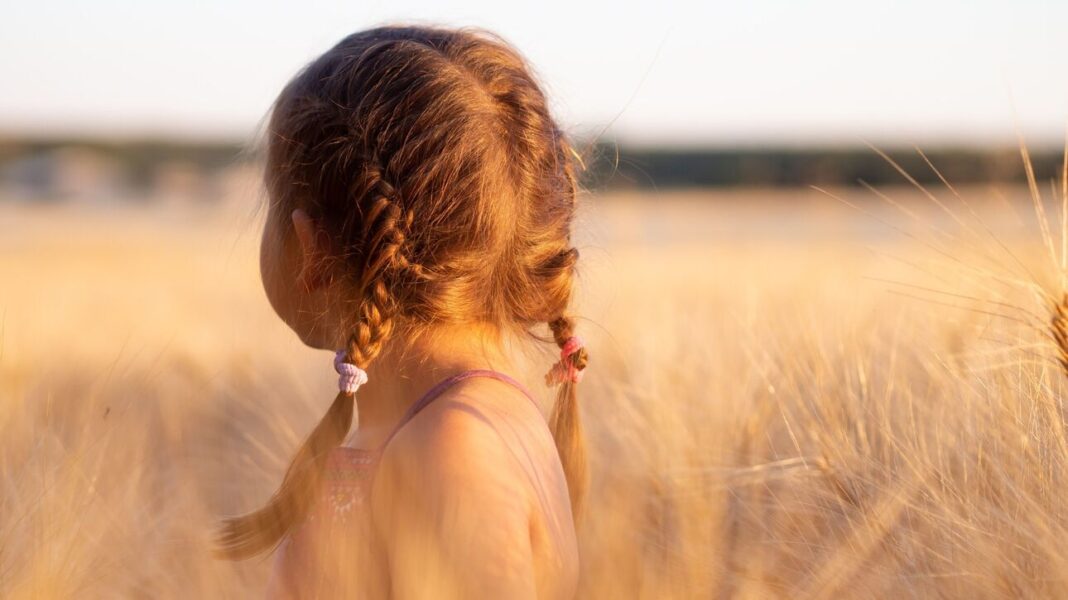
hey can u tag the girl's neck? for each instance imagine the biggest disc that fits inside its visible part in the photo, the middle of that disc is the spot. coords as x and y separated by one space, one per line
404 371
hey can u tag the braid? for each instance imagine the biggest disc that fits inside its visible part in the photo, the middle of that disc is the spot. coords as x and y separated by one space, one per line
385 229
384 237
566 423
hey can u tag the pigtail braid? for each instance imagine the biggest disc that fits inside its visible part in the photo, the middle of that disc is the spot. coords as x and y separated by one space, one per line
384 234
565 421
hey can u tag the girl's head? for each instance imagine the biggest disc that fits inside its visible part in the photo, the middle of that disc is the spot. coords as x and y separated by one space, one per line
424 170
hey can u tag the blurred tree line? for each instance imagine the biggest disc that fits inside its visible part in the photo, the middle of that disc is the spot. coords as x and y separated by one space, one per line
62 168
613 166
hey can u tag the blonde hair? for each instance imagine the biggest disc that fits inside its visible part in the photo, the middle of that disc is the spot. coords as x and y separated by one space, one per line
431 159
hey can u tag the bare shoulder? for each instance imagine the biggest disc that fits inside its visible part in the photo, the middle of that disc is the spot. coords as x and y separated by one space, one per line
468 486
478 436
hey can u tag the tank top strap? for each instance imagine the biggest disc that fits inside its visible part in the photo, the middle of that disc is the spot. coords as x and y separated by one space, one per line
444 385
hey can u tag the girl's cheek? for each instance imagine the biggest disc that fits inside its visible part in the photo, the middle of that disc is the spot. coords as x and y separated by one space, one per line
270 274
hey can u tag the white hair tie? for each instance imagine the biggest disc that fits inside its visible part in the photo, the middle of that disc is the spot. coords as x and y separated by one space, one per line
351 376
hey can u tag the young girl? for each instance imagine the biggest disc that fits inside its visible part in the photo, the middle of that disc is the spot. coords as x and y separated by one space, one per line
419 224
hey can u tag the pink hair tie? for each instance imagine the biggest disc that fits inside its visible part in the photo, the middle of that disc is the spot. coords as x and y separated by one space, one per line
565 370
351 376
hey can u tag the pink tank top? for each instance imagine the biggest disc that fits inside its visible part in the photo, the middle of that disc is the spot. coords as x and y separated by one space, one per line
330 554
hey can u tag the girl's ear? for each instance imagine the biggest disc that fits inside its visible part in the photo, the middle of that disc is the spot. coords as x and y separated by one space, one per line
314 250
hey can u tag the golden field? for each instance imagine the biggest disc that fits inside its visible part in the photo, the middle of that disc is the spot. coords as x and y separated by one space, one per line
788 397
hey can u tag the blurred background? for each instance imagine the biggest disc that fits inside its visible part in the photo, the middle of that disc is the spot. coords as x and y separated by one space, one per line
125 101
773 192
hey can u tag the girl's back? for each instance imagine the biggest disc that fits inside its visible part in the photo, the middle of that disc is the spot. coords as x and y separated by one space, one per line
494 424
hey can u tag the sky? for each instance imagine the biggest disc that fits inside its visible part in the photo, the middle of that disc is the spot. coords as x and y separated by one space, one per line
783 72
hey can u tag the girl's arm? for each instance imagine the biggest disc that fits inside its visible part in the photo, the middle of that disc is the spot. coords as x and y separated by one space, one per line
452 507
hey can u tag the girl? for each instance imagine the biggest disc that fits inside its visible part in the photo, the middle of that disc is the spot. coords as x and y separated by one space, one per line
421 198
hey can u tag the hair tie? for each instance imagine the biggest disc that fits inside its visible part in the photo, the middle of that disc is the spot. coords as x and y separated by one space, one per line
351 376
565 370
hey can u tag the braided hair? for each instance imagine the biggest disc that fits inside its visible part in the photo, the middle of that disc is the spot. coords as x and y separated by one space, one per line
430 158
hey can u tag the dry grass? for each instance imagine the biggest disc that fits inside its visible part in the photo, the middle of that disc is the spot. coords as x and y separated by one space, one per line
772 410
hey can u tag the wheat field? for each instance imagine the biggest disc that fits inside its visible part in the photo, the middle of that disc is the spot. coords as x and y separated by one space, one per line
790 395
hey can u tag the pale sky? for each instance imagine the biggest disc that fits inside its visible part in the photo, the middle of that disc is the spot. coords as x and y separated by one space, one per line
750 72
